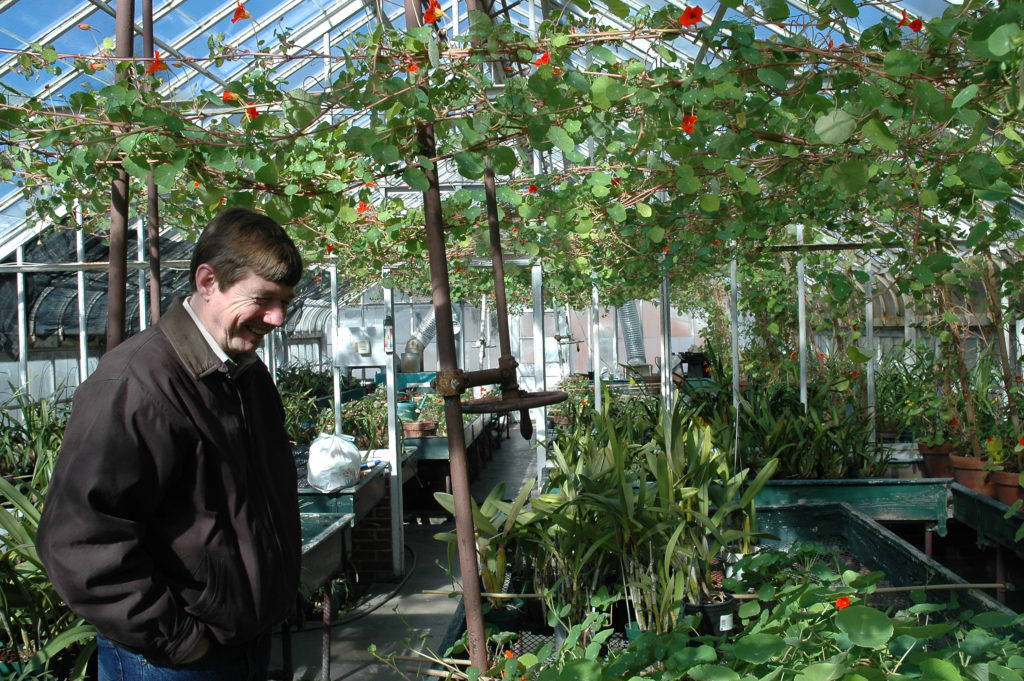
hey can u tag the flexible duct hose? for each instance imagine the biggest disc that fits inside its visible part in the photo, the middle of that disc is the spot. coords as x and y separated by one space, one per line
423 334
632 333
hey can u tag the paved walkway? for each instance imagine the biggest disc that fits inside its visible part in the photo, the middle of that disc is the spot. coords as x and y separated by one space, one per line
399 617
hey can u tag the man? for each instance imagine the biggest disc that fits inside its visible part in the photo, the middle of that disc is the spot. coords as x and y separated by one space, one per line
171 522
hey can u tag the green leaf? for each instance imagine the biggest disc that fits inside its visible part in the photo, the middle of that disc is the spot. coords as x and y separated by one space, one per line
599 92
965 95
561 139
433 53
616 212
934 669
656 234
644 210
600 53
416 178
300 108
901 62
267 174
528 211
164 176
135 166
865 626
835 127
877 131
1002 40
711 672
759 648
773 78
858 356
618 8
820 671
471 164
503 160
709 203
846 7
849 176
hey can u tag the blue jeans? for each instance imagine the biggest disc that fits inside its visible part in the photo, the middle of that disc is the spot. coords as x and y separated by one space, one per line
220 663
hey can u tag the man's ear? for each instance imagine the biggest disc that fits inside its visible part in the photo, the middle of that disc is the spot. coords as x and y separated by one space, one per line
206 281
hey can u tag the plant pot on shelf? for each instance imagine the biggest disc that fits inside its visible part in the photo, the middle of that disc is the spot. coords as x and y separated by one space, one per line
970 472
935 460
1008 486
419 428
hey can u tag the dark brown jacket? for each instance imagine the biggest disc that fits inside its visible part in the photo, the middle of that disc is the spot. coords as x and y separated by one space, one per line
173 509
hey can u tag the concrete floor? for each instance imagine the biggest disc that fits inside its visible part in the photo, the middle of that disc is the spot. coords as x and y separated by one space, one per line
403 617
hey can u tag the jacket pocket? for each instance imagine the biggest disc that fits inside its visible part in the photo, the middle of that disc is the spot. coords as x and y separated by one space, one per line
225 605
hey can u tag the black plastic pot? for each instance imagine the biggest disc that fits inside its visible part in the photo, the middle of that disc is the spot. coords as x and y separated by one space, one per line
717 619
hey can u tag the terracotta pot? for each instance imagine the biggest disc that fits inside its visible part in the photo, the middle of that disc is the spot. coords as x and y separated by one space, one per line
935 460
1008 487
419 428
970 472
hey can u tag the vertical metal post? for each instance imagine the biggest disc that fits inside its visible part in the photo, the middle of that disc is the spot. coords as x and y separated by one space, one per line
541 384
869 338
124 34
801 306
19 285
595 344
667 391
615 343
152 200
332 272
395 449
83 321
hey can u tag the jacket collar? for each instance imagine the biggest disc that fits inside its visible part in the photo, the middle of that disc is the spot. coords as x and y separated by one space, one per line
195 353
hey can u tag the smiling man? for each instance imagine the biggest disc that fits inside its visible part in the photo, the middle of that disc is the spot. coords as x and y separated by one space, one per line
171 522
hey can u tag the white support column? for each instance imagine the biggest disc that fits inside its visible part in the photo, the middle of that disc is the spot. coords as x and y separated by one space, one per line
734 322
332 272
540 380
869 338
19 284
595 345
83 321
667 392
394 456
140 257
801 306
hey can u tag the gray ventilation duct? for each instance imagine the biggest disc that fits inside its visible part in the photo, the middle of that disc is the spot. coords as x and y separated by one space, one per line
632 334
412 357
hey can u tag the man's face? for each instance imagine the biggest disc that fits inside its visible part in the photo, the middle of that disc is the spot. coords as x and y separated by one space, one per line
239 316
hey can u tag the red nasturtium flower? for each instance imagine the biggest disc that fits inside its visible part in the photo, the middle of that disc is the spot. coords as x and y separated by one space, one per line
616 181
412 68
240 13
330 248
85 27
362 207
691 16
688 123
543 59
533 189
251 113
853 374
157 64
914 24
433 13
842 602
229 96
1022 442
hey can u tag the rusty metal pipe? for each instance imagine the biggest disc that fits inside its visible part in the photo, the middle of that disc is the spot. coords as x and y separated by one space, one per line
498 263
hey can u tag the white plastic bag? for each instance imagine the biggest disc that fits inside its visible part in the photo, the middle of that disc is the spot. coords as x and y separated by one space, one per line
333 462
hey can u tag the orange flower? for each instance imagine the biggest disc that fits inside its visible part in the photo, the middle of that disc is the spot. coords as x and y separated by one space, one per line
251 113
853 374
665 249
85 27
196 183
97 65
229 96
916 25
413 68
515 230
240 13
691 16
370 183
362 207
616 181
842 602
1022 442
433 13
330 248
508 654
533 189
543 59
223 200
716 242
157 64
688 123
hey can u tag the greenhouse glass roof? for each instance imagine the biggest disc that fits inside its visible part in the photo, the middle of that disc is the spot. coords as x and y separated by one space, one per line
182 30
